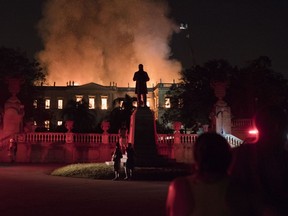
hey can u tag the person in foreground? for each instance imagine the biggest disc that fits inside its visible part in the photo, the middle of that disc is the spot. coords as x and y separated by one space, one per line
206 191
260 169
116 157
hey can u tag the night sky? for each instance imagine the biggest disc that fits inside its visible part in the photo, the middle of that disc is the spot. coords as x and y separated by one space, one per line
238 31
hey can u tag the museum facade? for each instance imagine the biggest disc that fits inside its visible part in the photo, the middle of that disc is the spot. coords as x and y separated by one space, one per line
102 99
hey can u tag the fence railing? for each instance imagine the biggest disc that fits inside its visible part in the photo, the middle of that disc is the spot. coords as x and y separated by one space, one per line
161 139
87 138
42 137
188 138
241 123
233 141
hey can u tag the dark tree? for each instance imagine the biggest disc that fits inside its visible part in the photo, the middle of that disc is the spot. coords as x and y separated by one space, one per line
193 99
249 88
14 63
255 86
121 114
79 112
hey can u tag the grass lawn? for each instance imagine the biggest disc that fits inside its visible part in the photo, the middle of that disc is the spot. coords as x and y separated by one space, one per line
103 171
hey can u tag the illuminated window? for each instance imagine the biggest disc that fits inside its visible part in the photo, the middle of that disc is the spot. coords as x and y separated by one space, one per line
60 103
91 102
167 103
59 123
121 103
47 103
148 102
35 104
104 100
47 124
79 98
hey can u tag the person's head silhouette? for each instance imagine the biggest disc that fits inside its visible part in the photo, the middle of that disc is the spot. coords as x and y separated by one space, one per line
140 66
212 154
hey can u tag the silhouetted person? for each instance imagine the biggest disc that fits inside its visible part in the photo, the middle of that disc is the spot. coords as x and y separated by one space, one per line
116 157
123 136
141 77
130 163
206 191
12 151
260 170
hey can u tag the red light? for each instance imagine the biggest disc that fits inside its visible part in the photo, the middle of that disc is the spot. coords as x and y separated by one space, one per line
252 136
253 132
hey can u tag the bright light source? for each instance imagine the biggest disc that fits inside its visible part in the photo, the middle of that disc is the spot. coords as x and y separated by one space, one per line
252 136
183 26
253 132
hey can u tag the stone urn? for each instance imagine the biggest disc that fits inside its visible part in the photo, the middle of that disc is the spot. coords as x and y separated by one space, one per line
177 126
105 125
14 85
69 125
219 91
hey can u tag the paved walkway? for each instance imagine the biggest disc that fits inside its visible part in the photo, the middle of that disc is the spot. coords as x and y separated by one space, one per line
30 190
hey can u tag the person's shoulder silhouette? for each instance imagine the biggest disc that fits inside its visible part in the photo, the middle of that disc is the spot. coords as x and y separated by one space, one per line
205 192
260 169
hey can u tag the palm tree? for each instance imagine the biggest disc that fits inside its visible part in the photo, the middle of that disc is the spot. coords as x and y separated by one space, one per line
79 112
121 114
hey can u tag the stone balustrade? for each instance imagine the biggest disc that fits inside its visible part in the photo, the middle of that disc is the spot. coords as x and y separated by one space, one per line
77 147
241 123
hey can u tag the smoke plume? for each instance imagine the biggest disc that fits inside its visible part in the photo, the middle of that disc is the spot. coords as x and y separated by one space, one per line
103 41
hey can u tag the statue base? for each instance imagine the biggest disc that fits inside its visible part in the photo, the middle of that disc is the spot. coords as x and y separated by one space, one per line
142 135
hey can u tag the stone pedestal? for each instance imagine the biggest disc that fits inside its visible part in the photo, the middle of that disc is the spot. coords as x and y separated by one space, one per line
222 110
223 119
13 110
142 135
105 125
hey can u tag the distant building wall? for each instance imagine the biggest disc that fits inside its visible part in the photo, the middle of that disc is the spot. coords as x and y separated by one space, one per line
53 94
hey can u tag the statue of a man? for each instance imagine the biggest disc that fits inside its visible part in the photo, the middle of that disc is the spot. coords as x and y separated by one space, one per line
141 77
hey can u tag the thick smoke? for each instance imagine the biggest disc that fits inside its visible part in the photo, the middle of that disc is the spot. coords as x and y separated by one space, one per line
103 41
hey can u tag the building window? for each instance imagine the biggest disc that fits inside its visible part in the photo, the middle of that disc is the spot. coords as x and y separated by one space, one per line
121 104
79 98
60 103
104 102
47 103
47 124
91 102
35 104
59 123
148 102
167 103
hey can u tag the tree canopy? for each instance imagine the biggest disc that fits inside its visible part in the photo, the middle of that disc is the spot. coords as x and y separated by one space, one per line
121 115
249 88
84 119
254 86
15 64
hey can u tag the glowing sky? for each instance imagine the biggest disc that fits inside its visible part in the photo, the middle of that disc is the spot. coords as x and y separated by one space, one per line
103 41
